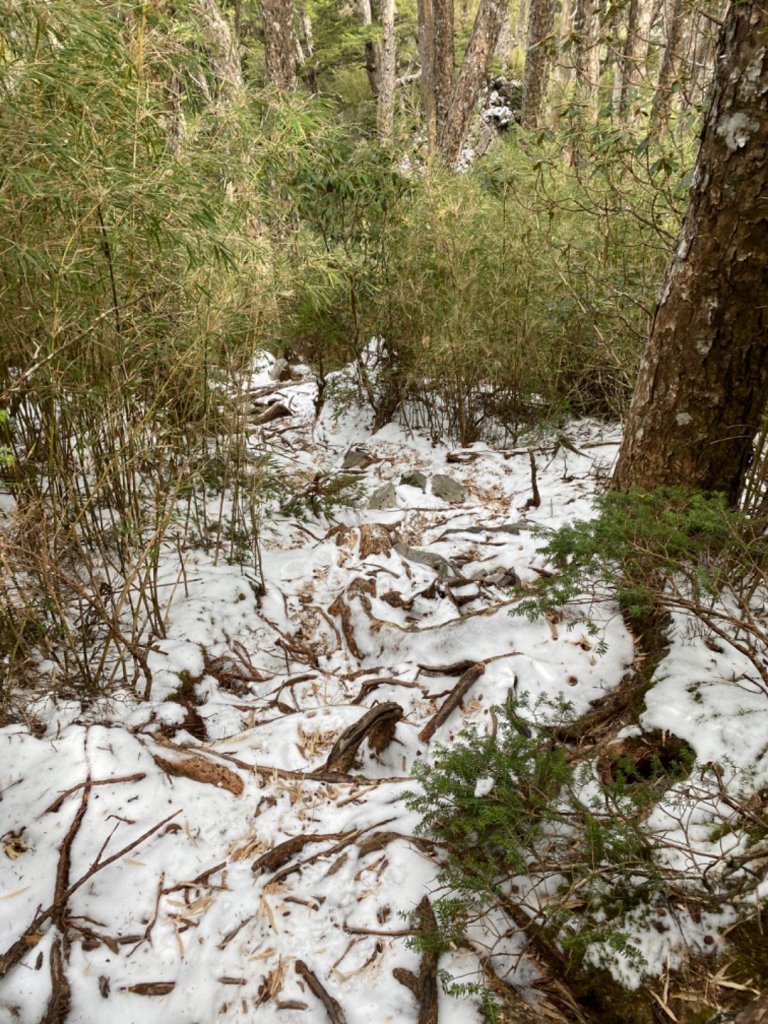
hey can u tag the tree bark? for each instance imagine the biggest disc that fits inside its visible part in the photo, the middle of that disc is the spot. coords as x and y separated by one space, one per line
280 44
437 71
385 103
371 50
541 23
635 51
586 54
703 383
223 49
482 43
674 14
426 16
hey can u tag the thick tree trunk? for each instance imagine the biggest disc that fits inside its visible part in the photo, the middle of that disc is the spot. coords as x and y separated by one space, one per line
387 71
280 45
541 23
482 43
703 384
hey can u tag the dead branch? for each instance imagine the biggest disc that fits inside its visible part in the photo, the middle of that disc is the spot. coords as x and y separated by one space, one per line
89 783
200 769
283 852
378 725
60 999
427 982
452 701
32 934
334 1010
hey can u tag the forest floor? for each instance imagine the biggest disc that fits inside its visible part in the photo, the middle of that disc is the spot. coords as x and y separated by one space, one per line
232 849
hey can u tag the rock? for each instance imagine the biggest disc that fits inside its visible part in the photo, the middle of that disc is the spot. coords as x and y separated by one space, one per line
414 479
357 458
446 488
383 497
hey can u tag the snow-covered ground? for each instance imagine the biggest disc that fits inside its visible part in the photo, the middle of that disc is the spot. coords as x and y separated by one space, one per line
179 929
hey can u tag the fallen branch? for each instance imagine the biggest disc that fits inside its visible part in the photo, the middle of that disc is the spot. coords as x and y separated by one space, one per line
335 1012
200 769
452 701
279 855
377 725
32 934
427 981
90 783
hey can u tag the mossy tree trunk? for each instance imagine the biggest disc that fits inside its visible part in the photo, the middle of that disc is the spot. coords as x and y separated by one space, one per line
703 383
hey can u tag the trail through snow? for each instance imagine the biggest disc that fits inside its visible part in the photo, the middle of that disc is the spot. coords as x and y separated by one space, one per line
180 929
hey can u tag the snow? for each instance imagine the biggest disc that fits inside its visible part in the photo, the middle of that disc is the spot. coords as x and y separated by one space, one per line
275 680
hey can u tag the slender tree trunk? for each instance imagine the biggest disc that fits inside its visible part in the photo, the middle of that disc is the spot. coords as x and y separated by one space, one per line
506 43
387 71
280 45
444 58
541 23
635 51
586 54
426 16
482 43
371 50
670 64
703 383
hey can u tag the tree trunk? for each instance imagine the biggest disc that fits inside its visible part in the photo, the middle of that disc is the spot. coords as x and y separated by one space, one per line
541 23
223 49
280 45
387 71
444 58
670 64
426 16
371 50
436 51
482 43
586 55
703 383
635 51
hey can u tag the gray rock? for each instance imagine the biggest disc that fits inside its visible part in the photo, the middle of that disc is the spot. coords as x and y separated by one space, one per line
356 458
383 497
414 479
446 488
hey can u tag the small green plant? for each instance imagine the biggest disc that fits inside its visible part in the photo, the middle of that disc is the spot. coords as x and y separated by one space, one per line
6 455
563 856
659 551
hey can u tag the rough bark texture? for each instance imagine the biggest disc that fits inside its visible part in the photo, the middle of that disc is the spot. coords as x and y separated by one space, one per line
541 22
674 15
703 384
586 53
436 52
280 44
482 43
444 58
387 70
426 16
223 49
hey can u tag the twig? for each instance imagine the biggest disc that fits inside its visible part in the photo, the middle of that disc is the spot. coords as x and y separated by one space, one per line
452 701
89 783
32 934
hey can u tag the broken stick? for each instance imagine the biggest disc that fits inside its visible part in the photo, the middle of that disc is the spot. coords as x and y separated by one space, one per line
452 701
